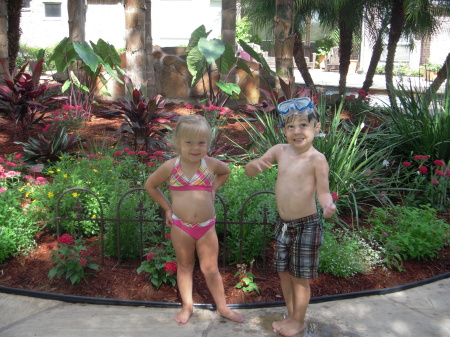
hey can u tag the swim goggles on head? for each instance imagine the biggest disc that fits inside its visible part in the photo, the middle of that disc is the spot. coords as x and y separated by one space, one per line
296 105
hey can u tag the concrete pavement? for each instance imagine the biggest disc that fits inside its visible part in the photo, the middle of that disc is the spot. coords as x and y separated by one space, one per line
419 311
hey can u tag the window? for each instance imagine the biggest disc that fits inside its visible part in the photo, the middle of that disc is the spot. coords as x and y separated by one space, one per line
25 3
52 10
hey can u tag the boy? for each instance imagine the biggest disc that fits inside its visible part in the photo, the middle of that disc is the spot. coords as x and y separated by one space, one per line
302 173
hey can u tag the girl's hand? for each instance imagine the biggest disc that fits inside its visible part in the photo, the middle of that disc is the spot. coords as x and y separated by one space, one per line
169 220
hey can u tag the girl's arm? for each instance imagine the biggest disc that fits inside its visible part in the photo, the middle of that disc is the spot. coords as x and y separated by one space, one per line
158 177
221 171
323 187
258 165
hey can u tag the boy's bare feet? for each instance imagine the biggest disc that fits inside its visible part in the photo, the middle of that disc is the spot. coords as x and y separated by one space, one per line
231 315
288 327
184 315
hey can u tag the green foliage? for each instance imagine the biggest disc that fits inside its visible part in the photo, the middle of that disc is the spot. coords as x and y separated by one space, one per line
29 54
324 46
420 125
71 258
17 228
345 253
244 31
160 264
143 117
246 279
413 232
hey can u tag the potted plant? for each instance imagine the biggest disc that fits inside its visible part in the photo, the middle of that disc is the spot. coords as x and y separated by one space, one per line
323 48
430 70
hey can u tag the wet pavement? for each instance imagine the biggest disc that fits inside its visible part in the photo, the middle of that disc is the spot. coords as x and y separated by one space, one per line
419 311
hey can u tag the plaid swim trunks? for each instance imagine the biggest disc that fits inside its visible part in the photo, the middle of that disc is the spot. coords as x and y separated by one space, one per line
298 243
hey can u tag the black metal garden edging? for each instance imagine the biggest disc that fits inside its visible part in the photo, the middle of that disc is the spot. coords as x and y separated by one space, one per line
210 306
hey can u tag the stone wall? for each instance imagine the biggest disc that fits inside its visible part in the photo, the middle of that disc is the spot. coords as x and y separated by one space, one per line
175 79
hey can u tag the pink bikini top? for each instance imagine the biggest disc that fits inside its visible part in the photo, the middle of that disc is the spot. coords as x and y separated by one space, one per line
201 180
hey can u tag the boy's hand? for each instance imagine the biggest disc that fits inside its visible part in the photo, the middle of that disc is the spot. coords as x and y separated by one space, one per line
329 210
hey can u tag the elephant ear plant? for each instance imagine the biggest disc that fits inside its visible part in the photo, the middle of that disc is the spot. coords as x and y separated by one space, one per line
218 61
143 117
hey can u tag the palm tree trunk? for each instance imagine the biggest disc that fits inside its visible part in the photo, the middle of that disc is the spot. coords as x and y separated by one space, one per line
3 35
442 76
284 40
150 73
135 41
395 32
14 12
345 51
376 55
299 58
77 20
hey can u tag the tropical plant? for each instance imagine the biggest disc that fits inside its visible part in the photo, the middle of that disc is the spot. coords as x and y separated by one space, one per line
23 98
86 69
143 117
214 57
246 279
48 147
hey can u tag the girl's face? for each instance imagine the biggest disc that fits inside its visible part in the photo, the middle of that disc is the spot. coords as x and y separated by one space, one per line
193 149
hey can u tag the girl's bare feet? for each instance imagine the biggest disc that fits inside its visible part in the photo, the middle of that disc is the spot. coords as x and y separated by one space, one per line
184 315
231 315
288 327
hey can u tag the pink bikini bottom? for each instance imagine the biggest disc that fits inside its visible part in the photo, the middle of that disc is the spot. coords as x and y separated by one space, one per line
196 230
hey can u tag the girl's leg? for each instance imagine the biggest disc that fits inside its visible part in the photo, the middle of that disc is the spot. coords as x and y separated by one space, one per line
208 252
184 246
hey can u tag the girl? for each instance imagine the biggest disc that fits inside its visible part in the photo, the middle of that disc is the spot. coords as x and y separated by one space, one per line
193 180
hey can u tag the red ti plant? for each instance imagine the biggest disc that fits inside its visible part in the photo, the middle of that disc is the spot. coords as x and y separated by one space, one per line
23 98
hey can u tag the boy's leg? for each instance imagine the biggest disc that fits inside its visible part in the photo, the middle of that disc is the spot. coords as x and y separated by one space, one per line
184 246
297 293
208 252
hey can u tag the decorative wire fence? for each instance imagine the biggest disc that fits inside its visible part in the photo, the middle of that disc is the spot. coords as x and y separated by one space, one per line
131 211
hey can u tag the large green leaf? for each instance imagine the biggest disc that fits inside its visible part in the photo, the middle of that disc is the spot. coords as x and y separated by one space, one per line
87 54
256 56
227 60
229 88
211 49
196 64
195 37
64 55
242 65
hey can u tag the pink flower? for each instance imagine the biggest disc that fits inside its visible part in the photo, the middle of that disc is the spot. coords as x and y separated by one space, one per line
84 253
158 153
168 237
68 107
11 164
18 156
434 181
2 161
347 98
335 196
439 162
142 153
406 163
420 157
439 173
66 239
2 189
150 163
56 119
131 153
46 127
189 106
83 261
126 150
117 153
423 169
150 256
447 171
151 157
384 234
40 181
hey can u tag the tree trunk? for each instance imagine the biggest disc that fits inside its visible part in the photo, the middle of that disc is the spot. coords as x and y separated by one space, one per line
376 55
395 32
77 20
299 58
345 51
135 39
442 76
3 36
14 12
229 22
152 89
284 40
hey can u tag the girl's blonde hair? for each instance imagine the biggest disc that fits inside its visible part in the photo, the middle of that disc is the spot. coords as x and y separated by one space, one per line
191 126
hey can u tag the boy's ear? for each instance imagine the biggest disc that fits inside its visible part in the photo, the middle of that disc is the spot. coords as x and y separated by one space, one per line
318 126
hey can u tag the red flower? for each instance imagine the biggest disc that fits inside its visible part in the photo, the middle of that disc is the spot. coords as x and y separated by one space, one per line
335 196
83 261
151 157
439 173
150 163
434 181
131 153
439 162
189 106
406 163
447 171
423 169
66 239
420 157
168 237
117 153
17 157
142 153
126 150
170 267
84 253
158 153
150 256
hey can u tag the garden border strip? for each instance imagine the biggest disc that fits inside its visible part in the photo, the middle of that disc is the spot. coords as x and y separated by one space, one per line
112 301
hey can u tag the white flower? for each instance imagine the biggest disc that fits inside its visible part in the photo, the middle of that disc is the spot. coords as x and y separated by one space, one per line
385 163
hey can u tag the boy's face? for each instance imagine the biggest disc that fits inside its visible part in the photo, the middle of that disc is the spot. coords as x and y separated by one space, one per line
300 132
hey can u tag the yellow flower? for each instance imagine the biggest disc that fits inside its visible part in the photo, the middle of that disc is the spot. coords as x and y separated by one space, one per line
75 194
65 175
95 170
51 172
58 170
27 194
88 182
94 216
50 194
21 189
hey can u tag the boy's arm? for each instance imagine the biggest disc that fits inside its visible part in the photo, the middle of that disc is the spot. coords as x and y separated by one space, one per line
323 188
258 165
158 177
